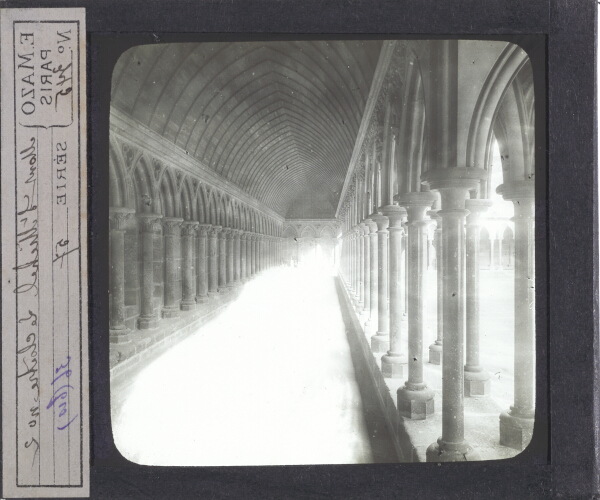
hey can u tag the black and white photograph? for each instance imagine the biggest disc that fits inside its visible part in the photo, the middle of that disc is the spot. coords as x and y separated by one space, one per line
322 252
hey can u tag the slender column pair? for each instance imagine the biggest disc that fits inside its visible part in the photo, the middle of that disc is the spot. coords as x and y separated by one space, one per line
366 271
392 363
243 256
477 380
380 342
371 323
435 349
516 424
453 185
415 399
118 332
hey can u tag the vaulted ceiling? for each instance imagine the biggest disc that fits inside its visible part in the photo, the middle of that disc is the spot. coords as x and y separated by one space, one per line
277 119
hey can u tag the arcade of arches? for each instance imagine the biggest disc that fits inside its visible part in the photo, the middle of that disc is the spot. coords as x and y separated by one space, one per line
406 167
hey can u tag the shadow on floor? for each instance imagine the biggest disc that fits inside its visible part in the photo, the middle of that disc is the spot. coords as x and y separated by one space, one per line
381 440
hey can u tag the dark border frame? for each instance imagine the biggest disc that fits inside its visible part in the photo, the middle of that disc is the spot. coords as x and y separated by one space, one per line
568 241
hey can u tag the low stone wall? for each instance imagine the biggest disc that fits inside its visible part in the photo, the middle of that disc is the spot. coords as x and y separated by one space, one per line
402 441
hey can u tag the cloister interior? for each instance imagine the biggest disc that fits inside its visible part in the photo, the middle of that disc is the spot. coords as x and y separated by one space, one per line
322 252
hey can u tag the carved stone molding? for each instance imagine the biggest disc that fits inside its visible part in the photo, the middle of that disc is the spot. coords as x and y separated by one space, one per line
119 217
149 222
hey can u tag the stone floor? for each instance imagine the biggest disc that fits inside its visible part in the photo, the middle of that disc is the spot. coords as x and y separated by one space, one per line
278 376
270 380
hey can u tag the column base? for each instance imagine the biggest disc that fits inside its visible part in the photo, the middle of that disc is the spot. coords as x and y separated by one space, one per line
380 342
415 404
201 299
363 317
370 326
435 354
187 305
120 336
477 383
169 312
147 322
451 452
213 294
392 365
515 430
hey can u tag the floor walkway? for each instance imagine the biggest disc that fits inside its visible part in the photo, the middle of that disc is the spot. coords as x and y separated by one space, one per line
270 381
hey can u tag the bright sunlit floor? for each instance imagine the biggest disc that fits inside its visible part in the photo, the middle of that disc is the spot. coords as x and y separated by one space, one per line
269 381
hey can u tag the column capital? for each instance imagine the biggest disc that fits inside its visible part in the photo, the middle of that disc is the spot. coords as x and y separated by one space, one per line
476 208
214 231
237 233
203 229
119 216
189 227
517 190
170 224
149 221
382 223
454 178
416 204
395 215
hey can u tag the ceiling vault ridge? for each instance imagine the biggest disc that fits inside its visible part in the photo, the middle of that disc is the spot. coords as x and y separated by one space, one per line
385 57
138 134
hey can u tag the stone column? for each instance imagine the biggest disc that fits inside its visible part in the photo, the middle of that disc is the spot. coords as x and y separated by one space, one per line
241 256
248 256
405 243
188 285
170 232
392 363
516 425
371 323
453 185
230 273
435 349
202 263
415 399
213 260
367 271
223 259
361 266
246 249
380 342
253 256
237 262
477 380
147 317
118 332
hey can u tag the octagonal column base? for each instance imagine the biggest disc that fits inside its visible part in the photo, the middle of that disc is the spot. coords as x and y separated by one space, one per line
435 353
515 431
380 342
451 452
415 404
392 365
477 383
